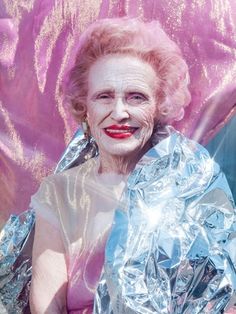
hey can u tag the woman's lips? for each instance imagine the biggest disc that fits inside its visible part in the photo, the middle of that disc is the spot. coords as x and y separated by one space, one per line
120 131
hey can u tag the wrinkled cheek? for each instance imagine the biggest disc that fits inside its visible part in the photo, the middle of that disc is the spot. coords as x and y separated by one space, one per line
147 125
95 132
145 115
91 117
145 134
146 120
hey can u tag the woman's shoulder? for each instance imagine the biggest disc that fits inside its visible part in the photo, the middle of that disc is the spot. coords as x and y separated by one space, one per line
72 175
54 197
56 186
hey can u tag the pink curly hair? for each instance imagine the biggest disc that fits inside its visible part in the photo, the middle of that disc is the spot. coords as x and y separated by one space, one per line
146 41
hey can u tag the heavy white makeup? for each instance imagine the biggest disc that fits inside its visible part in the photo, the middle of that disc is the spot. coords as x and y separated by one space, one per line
121 107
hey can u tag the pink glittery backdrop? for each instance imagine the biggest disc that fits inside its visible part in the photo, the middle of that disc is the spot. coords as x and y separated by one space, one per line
36 47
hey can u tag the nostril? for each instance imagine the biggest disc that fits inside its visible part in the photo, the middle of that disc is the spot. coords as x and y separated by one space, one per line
119 115
119 111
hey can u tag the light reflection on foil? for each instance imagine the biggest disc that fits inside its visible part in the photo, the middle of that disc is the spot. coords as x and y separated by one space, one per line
16 239
172 249
77 152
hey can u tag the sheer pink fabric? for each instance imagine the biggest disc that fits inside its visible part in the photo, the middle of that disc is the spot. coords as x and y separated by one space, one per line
37 45
81 207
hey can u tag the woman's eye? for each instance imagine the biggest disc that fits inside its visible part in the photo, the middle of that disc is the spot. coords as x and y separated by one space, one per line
104 96
136 98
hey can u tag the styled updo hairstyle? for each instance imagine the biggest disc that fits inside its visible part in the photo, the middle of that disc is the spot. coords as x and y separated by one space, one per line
146 41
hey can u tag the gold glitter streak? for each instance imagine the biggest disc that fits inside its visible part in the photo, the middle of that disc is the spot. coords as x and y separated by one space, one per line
58 96
218 13
198 4
127 7
112 4
87 12
16 151
47 38
179 9
45 42
16 8
76 13
221 12
36 165
229 76
8 46
13 148
7 187
173 12
140 12
11 71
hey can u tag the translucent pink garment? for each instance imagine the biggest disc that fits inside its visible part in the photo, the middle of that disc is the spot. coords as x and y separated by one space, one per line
81 206
37 46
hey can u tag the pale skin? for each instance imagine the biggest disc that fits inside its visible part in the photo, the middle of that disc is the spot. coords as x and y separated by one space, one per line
121 92
124 94
49 280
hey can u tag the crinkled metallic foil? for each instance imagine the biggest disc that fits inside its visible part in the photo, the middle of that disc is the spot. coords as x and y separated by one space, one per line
77 152
171 249
172 245
16 238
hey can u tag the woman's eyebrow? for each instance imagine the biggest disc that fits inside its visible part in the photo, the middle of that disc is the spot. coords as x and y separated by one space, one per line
106 89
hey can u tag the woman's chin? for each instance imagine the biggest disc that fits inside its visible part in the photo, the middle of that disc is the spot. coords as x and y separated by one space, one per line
122 149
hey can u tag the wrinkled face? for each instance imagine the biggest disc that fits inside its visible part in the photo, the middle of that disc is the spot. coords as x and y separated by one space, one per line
121 104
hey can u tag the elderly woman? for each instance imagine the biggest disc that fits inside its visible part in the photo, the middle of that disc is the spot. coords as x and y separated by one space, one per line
128 81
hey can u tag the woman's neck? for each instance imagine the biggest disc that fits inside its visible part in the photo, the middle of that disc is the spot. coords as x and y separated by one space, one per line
115 164
121 165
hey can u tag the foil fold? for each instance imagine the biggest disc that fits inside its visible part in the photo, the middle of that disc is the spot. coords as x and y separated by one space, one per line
16 241
79 150
172 245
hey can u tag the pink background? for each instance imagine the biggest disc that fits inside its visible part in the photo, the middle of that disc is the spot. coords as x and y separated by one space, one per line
37 40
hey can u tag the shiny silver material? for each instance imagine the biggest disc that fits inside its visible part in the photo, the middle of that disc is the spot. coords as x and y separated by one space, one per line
172 247
77 152
171 250
16 240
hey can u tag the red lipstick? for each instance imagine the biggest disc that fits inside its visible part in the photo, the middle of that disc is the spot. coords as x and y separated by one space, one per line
120 131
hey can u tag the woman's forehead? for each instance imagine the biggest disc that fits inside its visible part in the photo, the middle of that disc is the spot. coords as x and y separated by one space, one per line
121 72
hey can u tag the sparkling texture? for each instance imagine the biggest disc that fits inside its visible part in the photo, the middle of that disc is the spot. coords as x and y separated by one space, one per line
171 249
16 240
172 246
77 152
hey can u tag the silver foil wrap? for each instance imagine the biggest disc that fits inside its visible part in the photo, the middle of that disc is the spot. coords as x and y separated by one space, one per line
172 247
16 237
77 152
16 240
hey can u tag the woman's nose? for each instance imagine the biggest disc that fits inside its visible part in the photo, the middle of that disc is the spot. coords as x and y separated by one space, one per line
119 110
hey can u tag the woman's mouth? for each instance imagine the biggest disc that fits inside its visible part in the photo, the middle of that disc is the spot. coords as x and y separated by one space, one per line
120 131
